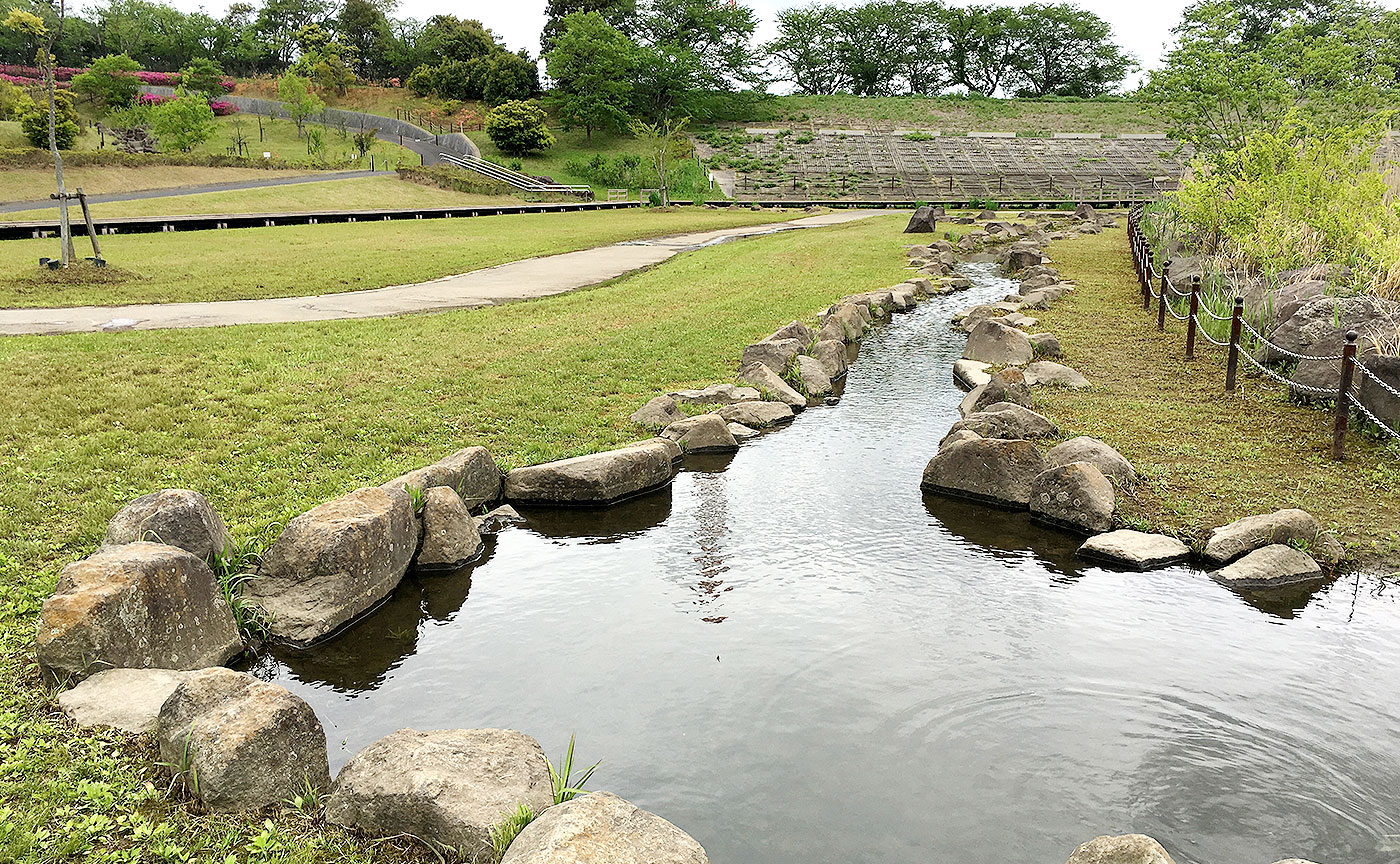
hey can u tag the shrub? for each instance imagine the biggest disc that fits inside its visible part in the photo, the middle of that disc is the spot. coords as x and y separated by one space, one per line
110 80
184 122
518 128
222 108
35 123
13 101
202 75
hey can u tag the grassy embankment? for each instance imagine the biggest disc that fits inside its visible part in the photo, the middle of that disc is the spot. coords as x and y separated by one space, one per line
953 114
301 260
271 420
36 184
363 193
1207 457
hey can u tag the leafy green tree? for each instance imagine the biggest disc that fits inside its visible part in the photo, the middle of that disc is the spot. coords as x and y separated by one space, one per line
983 44
592 65
666 143
875 46
34 123
1067 51
518 128
806 49
508 77
363 27
204 76
690 49
448 38
184 122
279 22
110 80
302 104
618 14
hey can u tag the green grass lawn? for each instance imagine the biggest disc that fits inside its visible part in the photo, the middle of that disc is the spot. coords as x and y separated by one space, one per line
269 421
36 184
957 114
1207 457
364 193
300 260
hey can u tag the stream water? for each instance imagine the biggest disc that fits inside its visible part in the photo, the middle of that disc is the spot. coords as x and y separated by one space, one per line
797 657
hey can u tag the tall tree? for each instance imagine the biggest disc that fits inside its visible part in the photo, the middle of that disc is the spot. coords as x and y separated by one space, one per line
279 22
1068 51
448 38
618 14
363 27
875 47
983 42
806 49
692 48
592 65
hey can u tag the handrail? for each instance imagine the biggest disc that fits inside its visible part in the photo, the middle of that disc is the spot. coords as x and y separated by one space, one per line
523 182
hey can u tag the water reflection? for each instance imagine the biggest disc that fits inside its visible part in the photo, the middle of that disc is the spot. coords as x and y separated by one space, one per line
601 525
1008 535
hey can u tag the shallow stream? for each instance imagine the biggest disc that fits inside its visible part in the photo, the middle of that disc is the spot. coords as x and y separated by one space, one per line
797 657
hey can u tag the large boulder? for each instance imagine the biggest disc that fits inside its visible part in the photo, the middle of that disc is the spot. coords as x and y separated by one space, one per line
1023 255
450 538
1380 401
1075 496
450 785
1135 549
1254 532
176 517
1035 283
757 414
1125 849
813 375
1086 213
139 605
994 342
793 330
595 480
1005 420
772 386
334 562
1319 327
969 374
1044 373
471 471
831 354
658 413
601 828
849 318
705 433
717 394
1270 567
777 354
992 470
241 744
1084 449
125 699
922 222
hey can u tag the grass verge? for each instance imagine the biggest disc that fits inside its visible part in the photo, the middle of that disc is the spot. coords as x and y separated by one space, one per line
301 260
36 184
1207 457
270 420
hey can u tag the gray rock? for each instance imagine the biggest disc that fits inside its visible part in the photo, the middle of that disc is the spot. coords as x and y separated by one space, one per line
1381 402
1319 327
922 222
1090 228
778 355
471 471
1125 849
1024 255
175 517
958 437
831 353
1075 496
1254 532
595 480
1045 345
498 520
450 539
812 373
717 394
993 470
241 744
970 374
905 298
1039 301
957 283
1181 270
1043 373
1135 549
794 330
767 382
603 828
450 785
657 413
334 562
994 342
704 433
757 414
125 699
1035 283
1005 420
139 605
1086 213
1094 451
1270 567
848 317
1041 270
742 432
831 331
1008 385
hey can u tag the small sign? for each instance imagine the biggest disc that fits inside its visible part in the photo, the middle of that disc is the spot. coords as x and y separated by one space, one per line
267 155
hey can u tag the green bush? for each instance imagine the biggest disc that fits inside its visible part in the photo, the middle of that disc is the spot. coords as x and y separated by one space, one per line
35 123
518 128
204 76
14 102
184 122
110 80
686 178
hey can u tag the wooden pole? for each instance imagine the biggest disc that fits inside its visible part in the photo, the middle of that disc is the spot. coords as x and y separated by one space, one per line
1232 368
1339 425
1191 318
91 229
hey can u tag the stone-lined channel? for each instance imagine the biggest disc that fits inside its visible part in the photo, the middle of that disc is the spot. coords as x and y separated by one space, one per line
796 657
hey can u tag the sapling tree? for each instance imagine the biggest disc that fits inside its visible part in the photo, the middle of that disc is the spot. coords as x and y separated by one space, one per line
302 104
666 142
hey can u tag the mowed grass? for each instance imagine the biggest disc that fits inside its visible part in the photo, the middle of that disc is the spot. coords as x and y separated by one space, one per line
269 421
959 114
361 193
31 184
281 139
1207 457
301 260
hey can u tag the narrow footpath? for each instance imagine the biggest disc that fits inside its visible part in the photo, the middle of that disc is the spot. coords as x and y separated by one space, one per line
518 280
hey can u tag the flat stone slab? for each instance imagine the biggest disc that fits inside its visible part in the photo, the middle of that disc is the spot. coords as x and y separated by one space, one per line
598 479
970 374
125 699
1135 549
1270 567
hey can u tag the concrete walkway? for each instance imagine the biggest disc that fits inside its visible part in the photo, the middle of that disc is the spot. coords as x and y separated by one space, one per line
519 280
172 191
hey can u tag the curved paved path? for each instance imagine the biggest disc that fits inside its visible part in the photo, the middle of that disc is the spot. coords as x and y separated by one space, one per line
518 280
171 191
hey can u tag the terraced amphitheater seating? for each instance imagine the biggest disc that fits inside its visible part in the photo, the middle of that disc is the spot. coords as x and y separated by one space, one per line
865 165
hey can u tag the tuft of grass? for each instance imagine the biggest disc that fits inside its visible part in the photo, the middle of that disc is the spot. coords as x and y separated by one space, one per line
503 833
1206 457
566 786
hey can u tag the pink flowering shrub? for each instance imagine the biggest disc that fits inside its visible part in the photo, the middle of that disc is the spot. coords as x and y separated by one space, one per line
222 108
60 73
151 99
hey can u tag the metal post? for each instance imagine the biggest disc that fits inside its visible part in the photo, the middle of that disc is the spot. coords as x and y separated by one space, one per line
1191 318
1232 368
1162 305
1339 428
